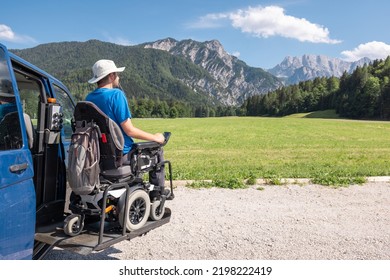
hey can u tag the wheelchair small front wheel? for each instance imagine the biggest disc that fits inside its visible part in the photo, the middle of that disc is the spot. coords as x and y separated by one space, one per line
155 214
139 210
73 225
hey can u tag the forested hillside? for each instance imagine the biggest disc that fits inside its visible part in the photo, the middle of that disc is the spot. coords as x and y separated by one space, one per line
363 94
156 79
157 83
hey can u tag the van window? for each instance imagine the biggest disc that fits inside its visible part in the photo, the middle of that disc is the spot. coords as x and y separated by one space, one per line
10 131
30 90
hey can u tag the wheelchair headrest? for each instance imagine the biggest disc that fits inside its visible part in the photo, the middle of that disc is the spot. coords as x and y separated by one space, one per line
88 111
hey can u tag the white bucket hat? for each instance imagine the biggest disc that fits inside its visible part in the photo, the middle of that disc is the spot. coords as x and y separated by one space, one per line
102 68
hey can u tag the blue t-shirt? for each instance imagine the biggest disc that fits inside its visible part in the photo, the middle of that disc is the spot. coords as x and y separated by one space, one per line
114 104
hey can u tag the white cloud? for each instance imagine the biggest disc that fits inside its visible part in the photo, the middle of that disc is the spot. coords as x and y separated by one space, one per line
372 50
119 40
269 21
209 21
272 21
7 34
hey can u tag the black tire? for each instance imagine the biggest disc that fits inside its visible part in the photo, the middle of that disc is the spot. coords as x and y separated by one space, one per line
73 225
139 209
154 211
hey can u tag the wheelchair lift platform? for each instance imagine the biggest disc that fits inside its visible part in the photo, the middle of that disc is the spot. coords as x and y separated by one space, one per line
88 240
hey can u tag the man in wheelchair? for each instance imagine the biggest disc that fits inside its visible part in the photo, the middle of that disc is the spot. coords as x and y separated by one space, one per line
122 196
109 97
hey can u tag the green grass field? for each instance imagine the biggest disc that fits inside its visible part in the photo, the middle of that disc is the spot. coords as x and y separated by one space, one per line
299 146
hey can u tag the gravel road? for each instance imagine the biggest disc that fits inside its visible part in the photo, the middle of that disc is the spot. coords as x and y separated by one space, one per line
288 222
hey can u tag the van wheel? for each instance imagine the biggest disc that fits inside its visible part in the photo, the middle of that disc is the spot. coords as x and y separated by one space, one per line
154 215
139 209
73 225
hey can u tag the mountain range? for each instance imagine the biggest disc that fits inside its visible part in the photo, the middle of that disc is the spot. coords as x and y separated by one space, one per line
293 70
188 71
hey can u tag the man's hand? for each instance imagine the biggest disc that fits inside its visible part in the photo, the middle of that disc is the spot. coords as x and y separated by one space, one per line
159 138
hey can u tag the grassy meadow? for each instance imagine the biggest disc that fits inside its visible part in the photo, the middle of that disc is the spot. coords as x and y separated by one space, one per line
298 146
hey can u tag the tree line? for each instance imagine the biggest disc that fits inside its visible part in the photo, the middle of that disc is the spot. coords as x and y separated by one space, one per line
363 94
156 108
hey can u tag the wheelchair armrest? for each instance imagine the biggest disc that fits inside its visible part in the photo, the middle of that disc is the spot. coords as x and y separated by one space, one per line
151 144
146 145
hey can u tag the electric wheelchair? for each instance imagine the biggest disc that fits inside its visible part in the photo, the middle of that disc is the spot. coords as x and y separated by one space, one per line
124 201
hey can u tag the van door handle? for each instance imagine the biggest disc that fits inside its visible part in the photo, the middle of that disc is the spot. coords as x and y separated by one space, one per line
16 168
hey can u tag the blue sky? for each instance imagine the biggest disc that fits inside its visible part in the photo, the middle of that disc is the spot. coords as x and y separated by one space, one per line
261 33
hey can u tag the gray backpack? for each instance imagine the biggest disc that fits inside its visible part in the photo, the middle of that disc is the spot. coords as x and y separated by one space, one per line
83 158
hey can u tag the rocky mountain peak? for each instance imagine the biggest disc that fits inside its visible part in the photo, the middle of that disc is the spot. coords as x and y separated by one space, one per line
309 66
164 44
234 80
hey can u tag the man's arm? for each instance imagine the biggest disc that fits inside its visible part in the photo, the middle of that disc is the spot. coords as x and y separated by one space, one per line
137 133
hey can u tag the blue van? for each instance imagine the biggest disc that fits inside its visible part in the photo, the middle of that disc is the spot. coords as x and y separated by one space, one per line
36 116
35 130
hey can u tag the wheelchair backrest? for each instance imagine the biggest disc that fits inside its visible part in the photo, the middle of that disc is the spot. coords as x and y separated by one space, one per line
111 142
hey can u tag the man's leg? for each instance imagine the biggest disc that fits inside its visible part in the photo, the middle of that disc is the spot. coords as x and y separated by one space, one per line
157 177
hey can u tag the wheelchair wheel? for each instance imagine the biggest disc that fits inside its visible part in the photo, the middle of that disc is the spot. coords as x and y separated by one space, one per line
73 225
139 209
154 215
